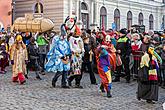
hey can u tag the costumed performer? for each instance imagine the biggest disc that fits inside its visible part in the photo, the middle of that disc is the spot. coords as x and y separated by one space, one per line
19 59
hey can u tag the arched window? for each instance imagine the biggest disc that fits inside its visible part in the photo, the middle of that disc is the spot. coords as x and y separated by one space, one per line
38 8
117 18
140 18
103 18
84 15
129 19
151 22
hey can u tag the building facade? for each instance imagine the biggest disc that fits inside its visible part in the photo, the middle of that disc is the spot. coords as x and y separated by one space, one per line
5 13
115 14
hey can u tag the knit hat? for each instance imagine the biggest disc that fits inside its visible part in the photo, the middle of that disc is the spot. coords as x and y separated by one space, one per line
77 31
123 31
63 30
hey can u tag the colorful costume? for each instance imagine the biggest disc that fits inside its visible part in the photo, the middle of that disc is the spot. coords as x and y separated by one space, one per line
58 58
147 78
111 51
19 59
103 65
136 44
77 48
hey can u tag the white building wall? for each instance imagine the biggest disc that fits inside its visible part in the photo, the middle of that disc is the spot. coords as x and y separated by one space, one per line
58 10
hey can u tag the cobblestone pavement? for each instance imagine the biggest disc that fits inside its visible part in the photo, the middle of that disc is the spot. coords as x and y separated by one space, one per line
39 95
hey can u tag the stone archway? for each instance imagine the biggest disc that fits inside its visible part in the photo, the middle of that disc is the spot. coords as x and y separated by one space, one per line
103 18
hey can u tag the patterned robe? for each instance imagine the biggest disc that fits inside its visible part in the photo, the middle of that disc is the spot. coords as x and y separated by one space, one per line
19 56
77 48
60 49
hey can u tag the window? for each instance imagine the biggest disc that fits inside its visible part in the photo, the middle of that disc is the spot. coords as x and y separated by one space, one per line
117 19
38 8
163 1
103 18
140 18
129 19
84 15
151 22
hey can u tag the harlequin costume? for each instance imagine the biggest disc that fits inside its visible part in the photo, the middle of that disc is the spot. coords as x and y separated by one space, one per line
103 65
19 59
58 58
111 51
77 49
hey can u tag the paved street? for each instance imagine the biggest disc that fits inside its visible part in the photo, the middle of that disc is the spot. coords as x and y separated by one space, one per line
39 95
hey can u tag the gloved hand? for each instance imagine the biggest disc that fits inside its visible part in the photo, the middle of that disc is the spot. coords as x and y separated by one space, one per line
26 62
12 62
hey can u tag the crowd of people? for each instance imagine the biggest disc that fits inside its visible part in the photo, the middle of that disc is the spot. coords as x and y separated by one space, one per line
124 53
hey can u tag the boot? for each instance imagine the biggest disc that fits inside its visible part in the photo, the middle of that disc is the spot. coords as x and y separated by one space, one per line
38 76
65 87
109 94
22 82
54 82
26 76
21 78
150 102
69 83
78 86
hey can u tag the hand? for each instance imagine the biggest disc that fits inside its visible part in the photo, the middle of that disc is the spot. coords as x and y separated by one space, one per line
26 62
12 62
